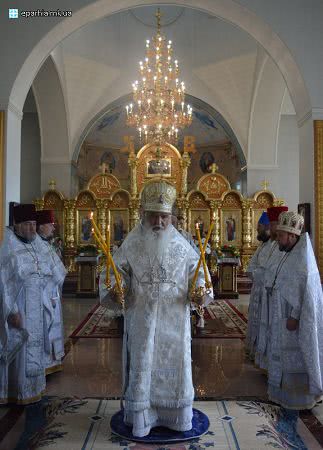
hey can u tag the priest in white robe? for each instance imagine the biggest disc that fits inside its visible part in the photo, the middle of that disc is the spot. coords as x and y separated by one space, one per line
179 223
25 270
274 256
157 266
295 347
53 316
256 271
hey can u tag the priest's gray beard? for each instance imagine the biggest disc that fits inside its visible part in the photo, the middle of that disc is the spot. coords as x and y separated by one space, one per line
156 242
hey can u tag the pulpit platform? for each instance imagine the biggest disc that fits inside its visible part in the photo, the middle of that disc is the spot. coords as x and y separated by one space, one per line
161 435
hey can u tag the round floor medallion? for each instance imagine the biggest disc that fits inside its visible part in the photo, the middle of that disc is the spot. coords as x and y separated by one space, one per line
161 435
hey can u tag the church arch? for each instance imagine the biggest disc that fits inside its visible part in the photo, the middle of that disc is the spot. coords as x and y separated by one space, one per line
229 11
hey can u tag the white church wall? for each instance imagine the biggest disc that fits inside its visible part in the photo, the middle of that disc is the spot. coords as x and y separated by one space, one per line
60 171
53 125
299 25
12 160
265 116
30 158
306 168
283 180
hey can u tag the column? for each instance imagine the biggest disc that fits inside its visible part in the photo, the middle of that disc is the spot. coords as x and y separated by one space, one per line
134 212
215 216
133 162
246 233
215 236
70 234
185 163
101 206
12 158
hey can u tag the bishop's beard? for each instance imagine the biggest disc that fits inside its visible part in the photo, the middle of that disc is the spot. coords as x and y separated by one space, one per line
156 242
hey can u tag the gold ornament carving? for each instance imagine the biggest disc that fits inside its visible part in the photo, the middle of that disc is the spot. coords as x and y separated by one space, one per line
231 200
246 225
278 202
120 200
197 200
215 216
245 259
101 206
53 200
185 163
70 234
264 200
134 208
183 207
39 204
70 223
213 185
103 185
148 153
85 200
133 163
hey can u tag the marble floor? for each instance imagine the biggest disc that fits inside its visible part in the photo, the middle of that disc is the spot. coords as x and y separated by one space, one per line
93 366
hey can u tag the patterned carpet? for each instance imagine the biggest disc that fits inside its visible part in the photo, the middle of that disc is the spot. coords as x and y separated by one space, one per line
70 423
222 320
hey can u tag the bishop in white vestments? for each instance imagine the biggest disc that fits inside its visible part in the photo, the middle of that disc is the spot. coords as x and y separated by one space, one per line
295 347
157 266
54 333
24 273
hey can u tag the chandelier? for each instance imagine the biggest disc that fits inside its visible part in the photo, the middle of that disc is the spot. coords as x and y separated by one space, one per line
158 110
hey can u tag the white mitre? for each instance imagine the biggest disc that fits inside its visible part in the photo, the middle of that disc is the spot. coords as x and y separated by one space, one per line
158 196
291 222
